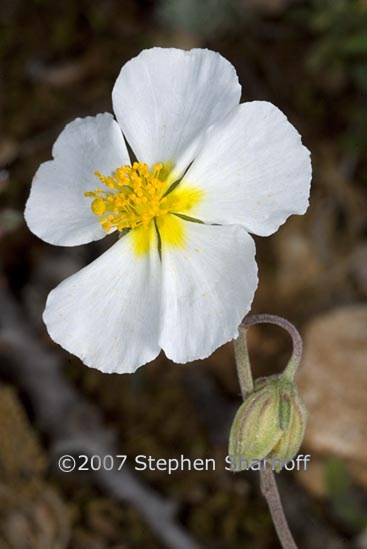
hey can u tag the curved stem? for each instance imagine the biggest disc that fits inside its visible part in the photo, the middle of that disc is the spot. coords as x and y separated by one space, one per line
268 484
295 359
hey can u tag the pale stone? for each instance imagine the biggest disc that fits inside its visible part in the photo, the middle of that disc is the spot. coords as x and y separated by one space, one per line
313 478
333 384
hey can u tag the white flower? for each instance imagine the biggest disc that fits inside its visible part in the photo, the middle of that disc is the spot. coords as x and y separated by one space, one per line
170 282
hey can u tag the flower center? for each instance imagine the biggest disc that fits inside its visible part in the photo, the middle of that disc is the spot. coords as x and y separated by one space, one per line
142 199
132 197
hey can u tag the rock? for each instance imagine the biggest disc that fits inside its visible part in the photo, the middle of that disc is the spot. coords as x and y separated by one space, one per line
333 384
299 269
32 513
20 449
313 478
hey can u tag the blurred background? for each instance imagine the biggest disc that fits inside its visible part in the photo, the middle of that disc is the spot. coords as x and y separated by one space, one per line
59 60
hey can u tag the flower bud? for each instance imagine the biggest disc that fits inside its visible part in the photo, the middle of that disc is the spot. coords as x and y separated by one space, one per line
270 423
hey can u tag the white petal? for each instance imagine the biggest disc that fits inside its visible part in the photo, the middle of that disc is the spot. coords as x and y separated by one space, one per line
253 170
107 314
57 210
165 99
207 289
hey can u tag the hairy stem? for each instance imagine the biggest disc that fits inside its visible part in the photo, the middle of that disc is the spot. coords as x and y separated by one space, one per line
270 492
243 363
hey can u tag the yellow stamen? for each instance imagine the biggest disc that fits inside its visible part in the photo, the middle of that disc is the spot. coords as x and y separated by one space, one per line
134 196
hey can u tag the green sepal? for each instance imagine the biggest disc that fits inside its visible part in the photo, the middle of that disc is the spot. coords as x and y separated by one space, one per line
256 430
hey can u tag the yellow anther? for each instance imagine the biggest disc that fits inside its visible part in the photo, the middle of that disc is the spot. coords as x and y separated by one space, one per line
98 206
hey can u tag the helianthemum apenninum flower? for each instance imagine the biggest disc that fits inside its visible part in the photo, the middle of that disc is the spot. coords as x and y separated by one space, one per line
208 172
